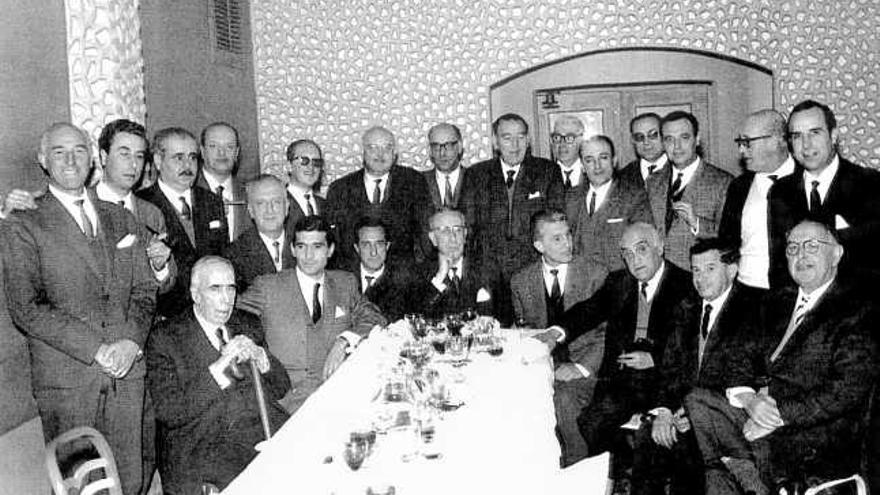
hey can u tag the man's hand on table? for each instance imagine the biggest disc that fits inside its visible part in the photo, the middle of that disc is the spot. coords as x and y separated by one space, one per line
335 357
550 337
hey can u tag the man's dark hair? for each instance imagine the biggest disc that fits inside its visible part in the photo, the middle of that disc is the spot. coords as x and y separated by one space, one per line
550 215
509 117
642 116
158 144
369 221
603 138
728 251
830 120
680 115
105 140
315 223
219 124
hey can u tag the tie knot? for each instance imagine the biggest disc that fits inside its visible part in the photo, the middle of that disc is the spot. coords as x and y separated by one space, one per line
773 178
554 272
708 309
221 337
308 197
454 270
651 168
815 184
378 182
220 190
511 174
79 202
567 173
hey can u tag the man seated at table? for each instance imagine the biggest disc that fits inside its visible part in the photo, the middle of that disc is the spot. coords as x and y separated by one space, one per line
454 282
203 390
313 317
383 284
541 292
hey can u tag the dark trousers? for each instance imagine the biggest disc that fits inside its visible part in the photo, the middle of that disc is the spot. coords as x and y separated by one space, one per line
654 464
570 398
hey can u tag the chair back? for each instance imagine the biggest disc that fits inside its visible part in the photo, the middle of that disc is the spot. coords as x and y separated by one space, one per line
90 477
826 487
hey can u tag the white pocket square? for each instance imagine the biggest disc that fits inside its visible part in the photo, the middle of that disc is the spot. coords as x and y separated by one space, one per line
126 241
483 295
840 223
536 194
339 312
614 220
215 224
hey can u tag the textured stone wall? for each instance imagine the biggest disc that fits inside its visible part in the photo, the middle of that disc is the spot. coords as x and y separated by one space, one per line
105 62
329 69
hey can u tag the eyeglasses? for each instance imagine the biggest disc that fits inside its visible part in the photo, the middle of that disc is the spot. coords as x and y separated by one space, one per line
379 148
304 161
440 147
450 230
564 138
183 157
746 142
640 249
641 137
810 246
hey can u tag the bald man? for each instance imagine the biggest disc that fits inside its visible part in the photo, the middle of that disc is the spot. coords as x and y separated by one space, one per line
446 180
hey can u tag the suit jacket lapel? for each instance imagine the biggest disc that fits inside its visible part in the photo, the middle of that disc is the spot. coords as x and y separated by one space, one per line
60 219
658 188
538 289
328 311
431 179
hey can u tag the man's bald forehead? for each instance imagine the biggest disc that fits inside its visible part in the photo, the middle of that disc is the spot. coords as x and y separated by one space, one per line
377 133
444 127
768 121
640 231
568 122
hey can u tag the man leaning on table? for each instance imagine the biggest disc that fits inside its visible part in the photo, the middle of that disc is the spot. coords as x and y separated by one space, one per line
313 317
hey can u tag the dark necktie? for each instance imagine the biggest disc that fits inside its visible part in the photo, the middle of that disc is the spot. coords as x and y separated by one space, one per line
676 187
511 174
310 209
369 279
219 192
121 203
447 194
773 178
377 192
277 247
651 169
316 304
555 291
592 208
221 338
674 196
453 277
704 326
568 178
185 210
815 200
87 228
643 290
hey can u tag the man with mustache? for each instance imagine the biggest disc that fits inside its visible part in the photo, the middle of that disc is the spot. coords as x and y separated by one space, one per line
220 149
194 216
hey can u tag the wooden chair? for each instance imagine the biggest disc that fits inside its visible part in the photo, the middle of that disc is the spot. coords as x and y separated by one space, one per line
90 477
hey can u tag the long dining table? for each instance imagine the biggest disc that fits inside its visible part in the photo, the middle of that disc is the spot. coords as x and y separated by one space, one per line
500 440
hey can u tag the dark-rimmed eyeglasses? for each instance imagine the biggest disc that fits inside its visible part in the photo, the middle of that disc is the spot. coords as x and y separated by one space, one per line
809 246
304 161
451 230
441 147
746 142
640 137
564 138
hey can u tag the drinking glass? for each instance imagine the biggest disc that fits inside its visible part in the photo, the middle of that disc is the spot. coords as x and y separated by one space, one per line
355 453
457 349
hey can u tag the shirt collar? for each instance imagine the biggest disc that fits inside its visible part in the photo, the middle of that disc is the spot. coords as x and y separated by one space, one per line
786 168
268 240
688 172
505 167
814 296
105 193
210 329
68 199
602 190
453 175
576 166
658 165
174 196
213 182
719 301
562 268
654 281
378 273
307 280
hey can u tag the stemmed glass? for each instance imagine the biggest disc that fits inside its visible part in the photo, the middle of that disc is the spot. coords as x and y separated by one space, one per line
355 453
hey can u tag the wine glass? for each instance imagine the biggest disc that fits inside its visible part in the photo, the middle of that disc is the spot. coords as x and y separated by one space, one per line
457 349
355 453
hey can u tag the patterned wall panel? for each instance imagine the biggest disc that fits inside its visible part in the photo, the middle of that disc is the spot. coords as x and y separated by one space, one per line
105 62
328 69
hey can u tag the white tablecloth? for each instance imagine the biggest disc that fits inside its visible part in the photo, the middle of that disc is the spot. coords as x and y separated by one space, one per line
501 440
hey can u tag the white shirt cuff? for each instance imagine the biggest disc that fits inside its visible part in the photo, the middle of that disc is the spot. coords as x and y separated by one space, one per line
584 371
351 338
438 284
161 275
562 334
732 392
217 371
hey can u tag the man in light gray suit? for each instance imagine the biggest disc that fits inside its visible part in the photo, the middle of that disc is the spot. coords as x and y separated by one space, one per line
542 292
311 316
447 179
687 199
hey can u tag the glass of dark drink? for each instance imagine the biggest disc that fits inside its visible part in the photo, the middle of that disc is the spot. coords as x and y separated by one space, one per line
496 346
355 453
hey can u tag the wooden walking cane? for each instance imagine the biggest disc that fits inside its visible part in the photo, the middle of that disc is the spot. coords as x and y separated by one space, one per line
261 399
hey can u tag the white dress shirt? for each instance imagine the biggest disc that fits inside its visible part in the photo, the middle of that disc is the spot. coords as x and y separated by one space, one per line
270 246
173 196
645 166
375 275
440 179
104 193
370 185
825 177
688 174
307 286
654 282
299 195
68 202
507 168
576 169
227 198
548 277
440 284
601 192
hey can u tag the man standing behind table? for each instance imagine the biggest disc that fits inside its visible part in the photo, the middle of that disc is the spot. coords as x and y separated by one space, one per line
383 189
542 292
686 199
447 179
385 285
504 194
565 143
605 207
644 130
312 316
80 288
794 411
209 421
220 150
305 168
194 216
265 247
764 149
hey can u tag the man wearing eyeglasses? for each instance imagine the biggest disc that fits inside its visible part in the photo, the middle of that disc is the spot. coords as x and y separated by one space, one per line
384 284
305 169
830 189
447 179
764 150
384 189
455 282
644 130
220 148
797 397
565 140
194 217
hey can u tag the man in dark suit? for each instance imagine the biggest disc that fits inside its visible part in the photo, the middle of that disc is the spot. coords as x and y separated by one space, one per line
706 330
455 282
80 288
447 179
384 285
644 130
764 149
637 305
542 292
605 206
383 189
305 168
193 216
794 411
220 149
504 194
265 247
686 199
311 316
197 370
830 189
565 142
